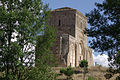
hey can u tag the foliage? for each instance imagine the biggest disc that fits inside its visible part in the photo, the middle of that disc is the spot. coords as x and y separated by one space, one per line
108 76
84 64
118 78
43 47
42 73
105 30
44 59
21 21
68 72
62 70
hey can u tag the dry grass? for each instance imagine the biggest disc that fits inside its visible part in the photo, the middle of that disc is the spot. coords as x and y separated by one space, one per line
97 72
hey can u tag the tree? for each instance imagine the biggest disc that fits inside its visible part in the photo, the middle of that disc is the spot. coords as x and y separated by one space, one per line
105 30
21 21
44 58
84 64
43 47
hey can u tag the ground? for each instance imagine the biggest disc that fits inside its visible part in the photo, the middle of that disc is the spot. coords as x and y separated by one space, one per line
97 72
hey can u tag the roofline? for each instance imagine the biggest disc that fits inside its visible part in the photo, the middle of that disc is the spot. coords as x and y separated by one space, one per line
63 9
78 12
69 9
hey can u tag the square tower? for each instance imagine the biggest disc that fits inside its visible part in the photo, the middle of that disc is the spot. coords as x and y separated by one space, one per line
71 42
64 19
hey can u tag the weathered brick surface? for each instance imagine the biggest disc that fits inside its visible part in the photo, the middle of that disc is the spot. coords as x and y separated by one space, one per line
71 42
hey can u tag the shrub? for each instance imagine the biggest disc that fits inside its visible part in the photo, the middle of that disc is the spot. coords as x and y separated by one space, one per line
69 71
118 78
83 63
108 76
62 70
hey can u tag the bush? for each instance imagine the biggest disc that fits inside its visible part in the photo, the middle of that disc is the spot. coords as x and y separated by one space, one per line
83 63
108 76
62 70
69 71
40 73
118 78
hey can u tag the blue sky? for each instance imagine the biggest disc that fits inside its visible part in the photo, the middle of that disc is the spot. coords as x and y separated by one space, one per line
84 6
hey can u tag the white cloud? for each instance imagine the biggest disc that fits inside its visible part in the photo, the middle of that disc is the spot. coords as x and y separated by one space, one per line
101 60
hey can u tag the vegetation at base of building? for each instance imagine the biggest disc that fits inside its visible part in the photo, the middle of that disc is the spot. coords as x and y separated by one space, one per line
108 76
22 22
105 31
118 78
62 70
40 73
68 72
96 72
84 64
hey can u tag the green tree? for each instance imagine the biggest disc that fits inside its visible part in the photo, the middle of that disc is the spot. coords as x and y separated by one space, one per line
44 58
21 21
84 64
43 47
105 30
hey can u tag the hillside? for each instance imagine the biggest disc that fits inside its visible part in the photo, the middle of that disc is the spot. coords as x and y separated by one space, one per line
97 72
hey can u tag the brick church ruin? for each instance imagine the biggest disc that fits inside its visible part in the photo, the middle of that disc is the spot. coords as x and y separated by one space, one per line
71 44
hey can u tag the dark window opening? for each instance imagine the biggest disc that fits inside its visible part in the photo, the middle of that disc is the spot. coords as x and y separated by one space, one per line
59 23
80 57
